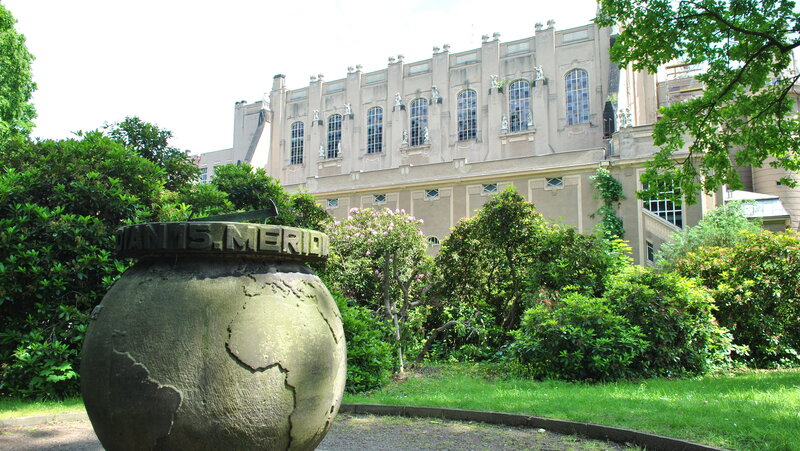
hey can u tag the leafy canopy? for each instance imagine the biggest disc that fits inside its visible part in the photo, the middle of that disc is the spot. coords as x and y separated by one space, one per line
16 84
747 105
723 226
152 143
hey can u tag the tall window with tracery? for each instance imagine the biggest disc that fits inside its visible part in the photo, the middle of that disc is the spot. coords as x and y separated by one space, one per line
419 121
577 91
334 135
519 104
467 103
375 130
296 144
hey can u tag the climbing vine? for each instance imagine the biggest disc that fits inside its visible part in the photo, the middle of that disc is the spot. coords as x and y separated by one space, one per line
610 192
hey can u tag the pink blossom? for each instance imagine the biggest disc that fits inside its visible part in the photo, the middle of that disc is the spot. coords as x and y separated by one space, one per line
349 218
421 221
354 209
368 252
391 260
402 210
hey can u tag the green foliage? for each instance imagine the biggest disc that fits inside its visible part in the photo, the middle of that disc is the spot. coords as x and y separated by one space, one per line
205 200
248 188
578 338
378 258
16 84
491 263
370 358
610 191
60 203
723 226
746 108
675 317
152 143
756 289
483 265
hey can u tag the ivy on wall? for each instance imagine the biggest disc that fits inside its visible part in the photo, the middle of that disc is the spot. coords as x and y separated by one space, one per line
610 192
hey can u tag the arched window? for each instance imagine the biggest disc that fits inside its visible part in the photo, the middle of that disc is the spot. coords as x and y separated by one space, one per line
577 90
375 130
296 146
334 135
419 122
467 115
519 105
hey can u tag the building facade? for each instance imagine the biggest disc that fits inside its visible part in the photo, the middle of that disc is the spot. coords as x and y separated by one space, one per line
439 137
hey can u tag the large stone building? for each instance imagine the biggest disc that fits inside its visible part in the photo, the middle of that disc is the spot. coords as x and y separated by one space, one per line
438 137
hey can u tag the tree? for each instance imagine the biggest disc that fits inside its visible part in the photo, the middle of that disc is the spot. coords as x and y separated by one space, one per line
500 260
378 258
747 106
249 188
16 84
723 226
152 143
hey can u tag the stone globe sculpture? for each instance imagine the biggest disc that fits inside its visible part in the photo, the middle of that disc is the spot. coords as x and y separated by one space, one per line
218 338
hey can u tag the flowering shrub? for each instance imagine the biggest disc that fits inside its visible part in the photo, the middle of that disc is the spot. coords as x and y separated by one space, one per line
378 259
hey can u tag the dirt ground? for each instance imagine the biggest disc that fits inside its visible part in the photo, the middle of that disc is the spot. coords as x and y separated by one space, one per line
349 432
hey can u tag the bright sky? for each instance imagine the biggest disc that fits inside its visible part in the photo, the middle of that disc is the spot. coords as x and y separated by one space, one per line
182 64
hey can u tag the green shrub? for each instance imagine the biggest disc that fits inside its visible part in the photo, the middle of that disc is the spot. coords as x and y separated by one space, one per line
60 203
675 315
370 356
756 289
578 338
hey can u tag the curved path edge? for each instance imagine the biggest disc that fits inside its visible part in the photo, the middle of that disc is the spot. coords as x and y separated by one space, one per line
589 430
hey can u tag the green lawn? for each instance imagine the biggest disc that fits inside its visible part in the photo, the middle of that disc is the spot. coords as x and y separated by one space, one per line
10 407
752 410
749 410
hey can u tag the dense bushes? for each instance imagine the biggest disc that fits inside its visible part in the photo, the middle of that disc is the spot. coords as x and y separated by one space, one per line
675 315
492 261
646 325
578 338
756 288
370 356
60 202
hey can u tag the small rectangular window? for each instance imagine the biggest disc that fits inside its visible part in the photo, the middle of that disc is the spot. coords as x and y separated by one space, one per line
203 175
432 193
490 188
379 199
555 182
333 203
651 253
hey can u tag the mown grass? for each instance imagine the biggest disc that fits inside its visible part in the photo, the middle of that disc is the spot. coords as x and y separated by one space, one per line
747 410
11 407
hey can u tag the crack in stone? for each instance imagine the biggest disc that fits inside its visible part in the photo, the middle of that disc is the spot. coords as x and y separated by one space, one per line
134 364
284 371
293 389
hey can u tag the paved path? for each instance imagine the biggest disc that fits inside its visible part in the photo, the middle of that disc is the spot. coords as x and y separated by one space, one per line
349 432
